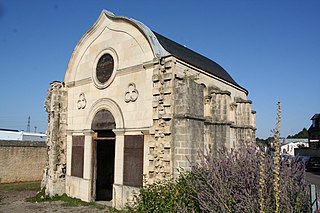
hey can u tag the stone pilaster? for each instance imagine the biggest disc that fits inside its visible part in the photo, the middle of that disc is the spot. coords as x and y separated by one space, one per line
218 119
188 123
244 123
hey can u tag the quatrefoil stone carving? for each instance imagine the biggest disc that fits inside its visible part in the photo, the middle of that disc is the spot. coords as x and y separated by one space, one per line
131 93
82 102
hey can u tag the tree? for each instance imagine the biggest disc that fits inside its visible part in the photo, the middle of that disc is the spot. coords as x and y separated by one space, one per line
302 134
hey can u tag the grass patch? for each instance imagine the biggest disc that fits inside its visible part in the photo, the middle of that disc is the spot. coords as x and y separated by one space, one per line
68 201
22 186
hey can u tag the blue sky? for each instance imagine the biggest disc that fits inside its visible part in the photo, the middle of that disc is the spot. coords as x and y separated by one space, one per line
271 48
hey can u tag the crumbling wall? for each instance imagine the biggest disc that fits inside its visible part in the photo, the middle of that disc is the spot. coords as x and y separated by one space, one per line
55 170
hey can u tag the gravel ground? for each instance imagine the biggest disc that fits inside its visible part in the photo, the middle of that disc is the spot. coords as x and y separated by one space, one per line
14 201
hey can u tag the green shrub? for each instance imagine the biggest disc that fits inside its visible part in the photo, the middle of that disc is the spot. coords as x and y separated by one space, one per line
165 196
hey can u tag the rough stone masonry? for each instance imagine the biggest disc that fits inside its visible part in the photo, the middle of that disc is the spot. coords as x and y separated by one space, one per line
55 169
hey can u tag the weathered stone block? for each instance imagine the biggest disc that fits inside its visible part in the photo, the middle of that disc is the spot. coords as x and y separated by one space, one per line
167 76
167 102
155 78
155 104
155 91
167 130
166 116
167 90
168 64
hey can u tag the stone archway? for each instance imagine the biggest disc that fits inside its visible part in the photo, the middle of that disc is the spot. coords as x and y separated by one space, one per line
108 105
104 154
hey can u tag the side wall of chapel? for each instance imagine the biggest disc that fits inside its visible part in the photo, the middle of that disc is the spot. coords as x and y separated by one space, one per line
205 114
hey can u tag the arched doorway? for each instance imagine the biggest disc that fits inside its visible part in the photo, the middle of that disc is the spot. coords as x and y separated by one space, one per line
104 151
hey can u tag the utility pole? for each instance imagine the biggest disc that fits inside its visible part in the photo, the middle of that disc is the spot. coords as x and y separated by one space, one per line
28 126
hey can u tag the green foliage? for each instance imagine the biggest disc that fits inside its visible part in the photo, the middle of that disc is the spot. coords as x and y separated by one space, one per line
68 201
262 142
265 143
302 134
165 196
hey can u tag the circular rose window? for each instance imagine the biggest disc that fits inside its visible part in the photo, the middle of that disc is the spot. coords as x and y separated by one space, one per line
104 68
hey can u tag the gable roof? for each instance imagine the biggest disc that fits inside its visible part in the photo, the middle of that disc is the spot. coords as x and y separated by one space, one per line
195 59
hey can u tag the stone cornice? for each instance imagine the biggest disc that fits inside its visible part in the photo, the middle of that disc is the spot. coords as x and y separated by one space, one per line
209 121
243 127
189 116
240 100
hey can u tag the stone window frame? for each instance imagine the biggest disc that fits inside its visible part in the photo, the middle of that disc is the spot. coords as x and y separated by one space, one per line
114 55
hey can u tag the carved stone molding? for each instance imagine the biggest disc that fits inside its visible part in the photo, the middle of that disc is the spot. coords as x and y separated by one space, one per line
82 101
131 94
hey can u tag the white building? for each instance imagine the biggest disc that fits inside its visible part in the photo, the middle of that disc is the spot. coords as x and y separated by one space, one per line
10 134
288 145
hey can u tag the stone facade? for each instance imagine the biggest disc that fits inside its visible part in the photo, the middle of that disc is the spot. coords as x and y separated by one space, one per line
135 105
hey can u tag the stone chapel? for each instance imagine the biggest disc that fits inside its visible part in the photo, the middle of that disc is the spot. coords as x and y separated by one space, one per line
135 107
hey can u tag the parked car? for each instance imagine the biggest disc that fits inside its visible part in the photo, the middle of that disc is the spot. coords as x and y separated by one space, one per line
313 164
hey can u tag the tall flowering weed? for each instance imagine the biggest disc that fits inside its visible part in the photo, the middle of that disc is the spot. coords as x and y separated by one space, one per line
238 181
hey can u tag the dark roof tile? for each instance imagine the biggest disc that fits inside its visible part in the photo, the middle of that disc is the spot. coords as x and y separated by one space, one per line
195 59
315 117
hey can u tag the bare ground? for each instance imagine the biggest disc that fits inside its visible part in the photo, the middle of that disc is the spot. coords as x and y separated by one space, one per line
14 201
